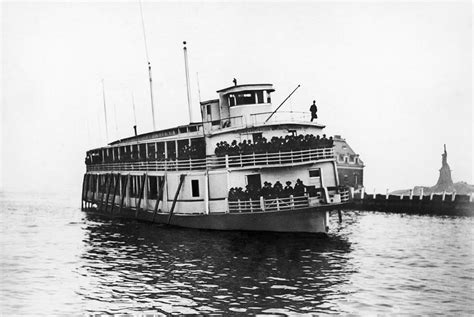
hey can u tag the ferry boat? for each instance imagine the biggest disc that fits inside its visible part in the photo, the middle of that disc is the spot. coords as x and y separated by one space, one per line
177 176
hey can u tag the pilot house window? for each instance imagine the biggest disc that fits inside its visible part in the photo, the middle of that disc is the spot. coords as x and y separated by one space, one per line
245 98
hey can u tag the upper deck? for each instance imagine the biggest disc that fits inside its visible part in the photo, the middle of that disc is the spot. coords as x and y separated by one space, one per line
242 112
231 162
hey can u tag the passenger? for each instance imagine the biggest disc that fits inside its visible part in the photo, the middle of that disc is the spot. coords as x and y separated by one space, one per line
288 190
266 191
232 194
278 189
313 109
299 188
324 141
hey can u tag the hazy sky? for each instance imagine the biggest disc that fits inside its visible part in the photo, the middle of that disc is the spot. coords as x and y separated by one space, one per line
394 79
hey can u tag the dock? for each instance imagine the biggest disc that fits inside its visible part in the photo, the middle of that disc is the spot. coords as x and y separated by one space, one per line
437 204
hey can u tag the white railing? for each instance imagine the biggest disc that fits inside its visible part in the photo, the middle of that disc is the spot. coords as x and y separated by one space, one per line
272 204
280 116
233 161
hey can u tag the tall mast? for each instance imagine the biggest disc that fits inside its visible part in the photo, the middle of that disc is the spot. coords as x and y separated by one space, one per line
105 113
134 116
149 67
199 88
188 88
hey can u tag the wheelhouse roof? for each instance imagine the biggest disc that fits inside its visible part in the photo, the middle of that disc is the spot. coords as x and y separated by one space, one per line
247 87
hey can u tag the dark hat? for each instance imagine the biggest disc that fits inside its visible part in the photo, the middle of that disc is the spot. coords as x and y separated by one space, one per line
288 183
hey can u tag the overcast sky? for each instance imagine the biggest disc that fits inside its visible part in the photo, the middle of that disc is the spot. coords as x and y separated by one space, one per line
394 79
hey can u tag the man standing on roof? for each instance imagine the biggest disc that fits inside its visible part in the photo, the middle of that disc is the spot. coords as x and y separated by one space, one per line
313 110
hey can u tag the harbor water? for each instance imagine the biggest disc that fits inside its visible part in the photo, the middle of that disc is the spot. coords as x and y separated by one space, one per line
55 259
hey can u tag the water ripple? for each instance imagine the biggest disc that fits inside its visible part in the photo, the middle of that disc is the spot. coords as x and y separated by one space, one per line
58 261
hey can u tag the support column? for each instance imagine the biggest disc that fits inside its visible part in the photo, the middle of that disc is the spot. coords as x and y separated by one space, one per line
123 191
206 192
110 177
117 185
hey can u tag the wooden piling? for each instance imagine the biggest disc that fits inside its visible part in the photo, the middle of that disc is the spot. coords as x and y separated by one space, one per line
339 213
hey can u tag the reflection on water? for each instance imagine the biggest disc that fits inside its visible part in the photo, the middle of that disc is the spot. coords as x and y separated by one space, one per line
57 260
188 271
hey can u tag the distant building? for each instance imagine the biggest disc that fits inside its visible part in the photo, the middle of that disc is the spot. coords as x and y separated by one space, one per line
350 167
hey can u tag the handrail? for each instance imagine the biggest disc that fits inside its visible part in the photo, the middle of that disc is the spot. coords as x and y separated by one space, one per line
257 118
213 162
270 204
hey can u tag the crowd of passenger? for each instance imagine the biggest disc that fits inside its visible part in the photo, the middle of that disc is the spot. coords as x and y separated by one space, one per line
276 144
268 191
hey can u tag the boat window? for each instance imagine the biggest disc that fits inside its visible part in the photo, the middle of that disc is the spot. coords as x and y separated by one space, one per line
208 109
198 148
142 149
193 128
135 151
315 173
116 153
245 98
231 100
183 148
183 130
152 187
151 150
195 187
171 149
259 96
269 97
160 150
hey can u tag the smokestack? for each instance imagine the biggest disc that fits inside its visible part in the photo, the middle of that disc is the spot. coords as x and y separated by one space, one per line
187 80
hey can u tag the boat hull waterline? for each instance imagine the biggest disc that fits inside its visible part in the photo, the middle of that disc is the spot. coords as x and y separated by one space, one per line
304 220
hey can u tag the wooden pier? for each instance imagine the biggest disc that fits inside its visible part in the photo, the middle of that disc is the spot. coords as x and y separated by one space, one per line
439 204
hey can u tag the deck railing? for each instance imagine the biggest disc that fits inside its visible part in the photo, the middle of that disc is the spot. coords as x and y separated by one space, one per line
279 117
272 204
289 203
214 162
